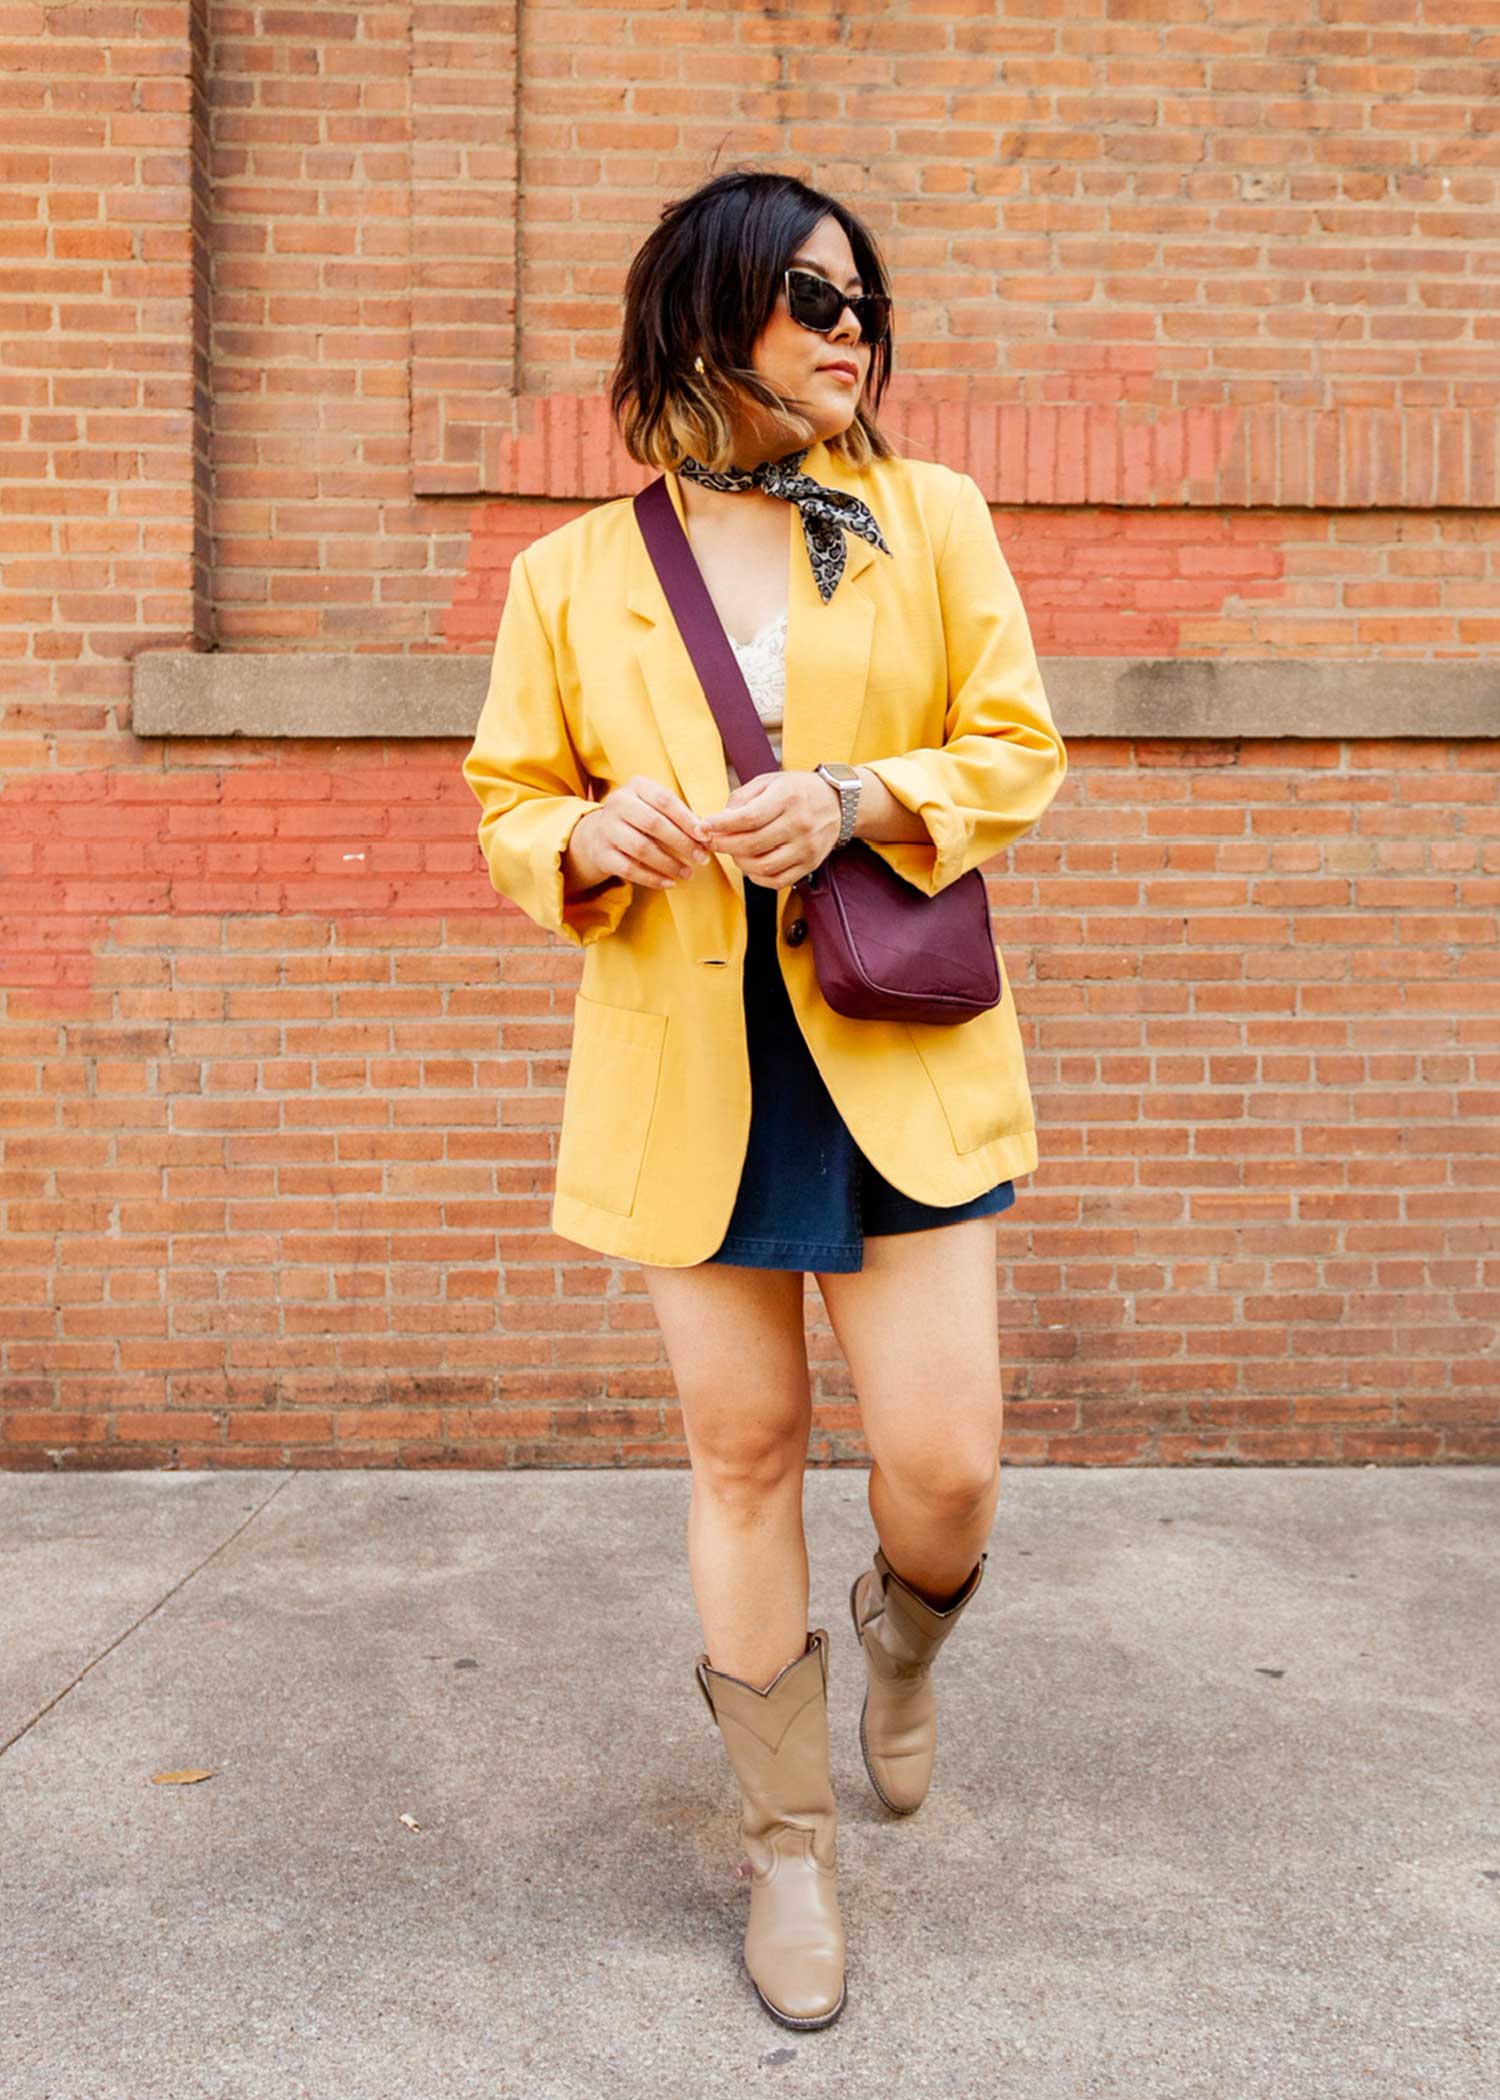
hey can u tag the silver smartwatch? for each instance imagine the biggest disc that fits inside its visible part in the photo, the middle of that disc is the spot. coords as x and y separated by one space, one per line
847 781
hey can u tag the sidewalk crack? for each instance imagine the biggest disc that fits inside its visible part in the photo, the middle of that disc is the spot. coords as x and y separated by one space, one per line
150 1613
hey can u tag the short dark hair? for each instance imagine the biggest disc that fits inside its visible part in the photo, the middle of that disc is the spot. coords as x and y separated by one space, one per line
704 283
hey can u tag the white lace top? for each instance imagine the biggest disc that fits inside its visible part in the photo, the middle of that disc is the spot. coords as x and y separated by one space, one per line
763 661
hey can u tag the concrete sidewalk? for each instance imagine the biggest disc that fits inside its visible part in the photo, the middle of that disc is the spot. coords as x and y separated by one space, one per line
1216 1812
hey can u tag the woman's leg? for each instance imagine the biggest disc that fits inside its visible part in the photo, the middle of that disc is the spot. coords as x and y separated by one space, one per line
739 1355
738 1349
919 1330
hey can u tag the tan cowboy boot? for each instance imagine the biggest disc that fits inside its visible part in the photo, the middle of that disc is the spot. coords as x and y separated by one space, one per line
777 1741
900 1633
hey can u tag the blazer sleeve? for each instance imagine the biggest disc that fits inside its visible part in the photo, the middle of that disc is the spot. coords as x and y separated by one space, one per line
1001 760
531 788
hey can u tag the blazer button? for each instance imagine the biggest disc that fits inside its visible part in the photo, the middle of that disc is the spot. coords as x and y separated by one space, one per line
796 933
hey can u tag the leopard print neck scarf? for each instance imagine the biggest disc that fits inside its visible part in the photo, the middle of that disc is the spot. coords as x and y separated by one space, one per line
827 514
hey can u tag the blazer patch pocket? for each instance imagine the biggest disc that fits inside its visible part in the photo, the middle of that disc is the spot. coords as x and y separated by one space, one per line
610 1097
978 1071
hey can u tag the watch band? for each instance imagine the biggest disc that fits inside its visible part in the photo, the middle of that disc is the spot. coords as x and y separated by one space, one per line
846 780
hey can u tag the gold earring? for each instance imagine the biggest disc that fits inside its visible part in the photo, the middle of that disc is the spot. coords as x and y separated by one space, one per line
698 362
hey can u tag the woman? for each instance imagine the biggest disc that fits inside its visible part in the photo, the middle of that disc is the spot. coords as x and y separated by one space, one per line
722 1125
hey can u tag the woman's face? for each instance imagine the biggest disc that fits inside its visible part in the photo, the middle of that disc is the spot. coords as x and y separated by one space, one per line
798 360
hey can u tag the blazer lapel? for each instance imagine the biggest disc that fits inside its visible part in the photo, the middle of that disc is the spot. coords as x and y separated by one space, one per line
827 655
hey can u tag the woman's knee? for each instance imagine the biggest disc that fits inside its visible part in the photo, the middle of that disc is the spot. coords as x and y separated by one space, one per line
950 1483
744 1465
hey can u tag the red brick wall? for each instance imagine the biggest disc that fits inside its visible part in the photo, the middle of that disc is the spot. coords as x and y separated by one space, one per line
277 1190
1347 585
284 296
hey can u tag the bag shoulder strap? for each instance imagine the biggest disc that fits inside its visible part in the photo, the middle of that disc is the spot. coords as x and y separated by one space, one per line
713 658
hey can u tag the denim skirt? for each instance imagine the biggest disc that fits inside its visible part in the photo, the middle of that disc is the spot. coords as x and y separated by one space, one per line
808 1196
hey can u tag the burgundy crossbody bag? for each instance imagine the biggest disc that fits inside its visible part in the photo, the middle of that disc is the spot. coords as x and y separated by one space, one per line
883 949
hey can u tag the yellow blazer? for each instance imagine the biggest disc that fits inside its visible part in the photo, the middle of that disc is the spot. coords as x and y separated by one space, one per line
921 667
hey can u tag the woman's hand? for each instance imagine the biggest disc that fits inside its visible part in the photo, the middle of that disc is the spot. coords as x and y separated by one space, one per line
778 826
640 831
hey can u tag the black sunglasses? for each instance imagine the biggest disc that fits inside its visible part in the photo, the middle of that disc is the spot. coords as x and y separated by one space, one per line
814 302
